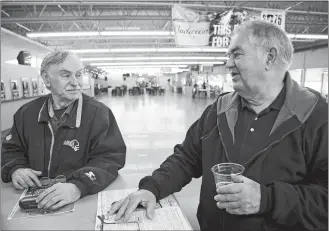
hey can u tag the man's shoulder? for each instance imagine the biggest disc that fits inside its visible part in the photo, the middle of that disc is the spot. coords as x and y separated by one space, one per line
320 113
91 104
33 106
210 113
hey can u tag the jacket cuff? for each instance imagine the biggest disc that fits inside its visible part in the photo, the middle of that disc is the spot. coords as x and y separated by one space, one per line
149 184
266 199
83 188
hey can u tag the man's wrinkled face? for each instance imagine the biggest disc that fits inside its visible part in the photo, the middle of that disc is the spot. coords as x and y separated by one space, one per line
66 79
246 65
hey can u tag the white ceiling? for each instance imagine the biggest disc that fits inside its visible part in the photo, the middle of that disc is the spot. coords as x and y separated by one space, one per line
21 16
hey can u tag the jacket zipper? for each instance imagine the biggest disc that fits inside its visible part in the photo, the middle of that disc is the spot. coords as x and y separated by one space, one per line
51 147
221 210
220 135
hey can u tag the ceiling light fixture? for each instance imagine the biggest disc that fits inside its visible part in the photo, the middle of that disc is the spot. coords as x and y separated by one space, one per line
91 51
308 36
62 34
136 50
140 66
97 33
153 58
132 33
154 63
138 33
145 50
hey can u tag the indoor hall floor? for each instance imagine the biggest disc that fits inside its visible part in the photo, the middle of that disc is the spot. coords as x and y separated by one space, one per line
151 126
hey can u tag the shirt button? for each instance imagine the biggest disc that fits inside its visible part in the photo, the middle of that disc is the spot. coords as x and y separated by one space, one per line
251 129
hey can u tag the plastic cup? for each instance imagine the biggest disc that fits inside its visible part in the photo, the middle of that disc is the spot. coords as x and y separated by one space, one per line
223 173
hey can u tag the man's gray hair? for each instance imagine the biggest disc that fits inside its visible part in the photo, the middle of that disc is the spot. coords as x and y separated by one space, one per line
265 34
54 58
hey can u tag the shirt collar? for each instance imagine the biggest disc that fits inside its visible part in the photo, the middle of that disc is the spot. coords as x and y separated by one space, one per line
276 104
51 112
73 111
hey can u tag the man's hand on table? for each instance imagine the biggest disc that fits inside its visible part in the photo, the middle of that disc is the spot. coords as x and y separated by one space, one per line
58 195
25 177
240 198
126 206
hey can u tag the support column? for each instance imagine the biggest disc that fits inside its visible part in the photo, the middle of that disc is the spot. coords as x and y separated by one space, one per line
302 80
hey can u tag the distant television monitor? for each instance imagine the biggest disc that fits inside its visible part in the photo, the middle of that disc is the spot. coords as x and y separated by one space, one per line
24 58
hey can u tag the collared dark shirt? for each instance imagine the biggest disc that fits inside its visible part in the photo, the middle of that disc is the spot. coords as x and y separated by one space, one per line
252 131
54 120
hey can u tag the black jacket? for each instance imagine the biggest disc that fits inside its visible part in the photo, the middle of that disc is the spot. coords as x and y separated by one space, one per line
88 149
292 169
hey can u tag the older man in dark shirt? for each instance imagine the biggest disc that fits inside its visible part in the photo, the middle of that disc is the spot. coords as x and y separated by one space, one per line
275 128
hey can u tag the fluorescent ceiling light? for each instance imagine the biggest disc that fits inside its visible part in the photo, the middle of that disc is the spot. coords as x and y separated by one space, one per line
142 50
131 33
136 50
98 33
62 34
154 63
153 58
308 36
138 33
214 49
192 49
156 66
91 51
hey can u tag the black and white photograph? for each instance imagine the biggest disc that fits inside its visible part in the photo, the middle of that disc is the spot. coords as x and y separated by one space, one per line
164 115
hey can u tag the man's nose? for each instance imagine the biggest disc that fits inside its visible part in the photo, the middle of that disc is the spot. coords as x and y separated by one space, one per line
230 64
74 81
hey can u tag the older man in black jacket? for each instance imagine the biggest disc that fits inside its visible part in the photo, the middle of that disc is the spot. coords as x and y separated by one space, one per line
273 127
64 133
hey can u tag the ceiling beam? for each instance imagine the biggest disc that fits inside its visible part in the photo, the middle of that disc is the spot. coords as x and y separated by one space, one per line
135 3
311 46
20 25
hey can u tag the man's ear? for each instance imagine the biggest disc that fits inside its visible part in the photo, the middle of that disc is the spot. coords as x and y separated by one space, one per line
46 79
271 58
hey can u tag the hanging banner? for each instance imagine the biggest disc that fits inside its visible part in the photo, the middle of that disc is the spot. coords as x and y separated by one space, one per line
190 26
220 29
195 29
224 23
277 17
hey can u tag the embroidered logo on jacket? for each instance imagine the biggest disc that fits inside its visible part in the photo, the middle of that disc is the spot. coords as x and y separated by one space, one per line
9 137
91 175
73 144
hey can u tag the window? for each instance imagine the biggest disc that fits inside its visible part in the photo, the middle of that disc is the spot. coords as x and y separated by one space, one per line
314 78
324 90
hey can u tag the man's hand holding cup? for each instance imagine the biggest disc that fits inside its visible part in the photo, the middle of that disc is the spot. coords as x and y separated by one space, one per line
237 194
